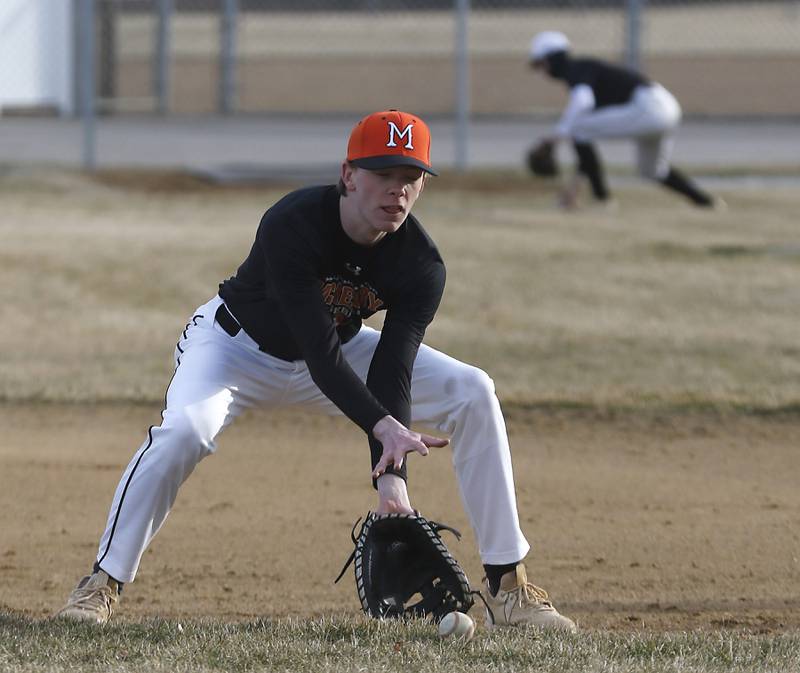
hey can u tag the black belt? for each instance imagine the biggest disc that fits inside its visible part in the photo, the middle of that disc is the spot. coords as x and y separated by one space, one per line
226 321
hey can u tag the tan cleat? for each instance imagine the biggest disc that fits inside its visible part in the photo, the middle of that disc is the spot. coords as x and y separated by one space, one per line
92 600
520 602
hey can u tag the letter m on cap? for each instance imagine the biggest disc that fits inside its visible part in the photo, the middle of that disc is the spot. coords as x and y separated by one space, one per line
396 133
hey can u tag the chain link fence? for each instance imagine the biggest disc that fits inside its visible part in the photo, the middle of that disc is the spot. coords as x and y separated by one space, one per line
721 57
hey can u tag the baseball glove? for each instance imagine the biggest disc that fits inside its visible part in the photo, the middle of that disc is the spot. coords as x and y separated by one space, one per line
403 569
542 159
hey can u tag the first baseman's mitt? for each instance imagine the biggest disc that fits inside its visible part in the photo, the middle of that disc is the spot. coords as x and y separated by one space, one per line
542 159
403 569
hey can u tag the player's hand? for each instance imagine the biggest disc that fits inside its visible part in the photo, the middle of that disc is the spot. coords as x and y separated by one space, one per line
393 495
397 441
568 197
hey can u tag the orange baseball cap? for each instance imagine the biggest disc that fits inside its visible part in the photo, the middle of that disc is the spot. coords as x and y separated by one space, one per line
390 138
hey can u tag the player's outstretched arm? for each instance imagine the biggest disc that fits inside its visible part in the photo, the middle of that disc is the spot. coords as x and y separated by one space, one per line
397 441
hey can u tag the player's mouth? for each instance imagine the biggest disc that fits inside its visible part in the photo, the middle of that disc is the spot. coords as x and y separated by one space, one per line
393 210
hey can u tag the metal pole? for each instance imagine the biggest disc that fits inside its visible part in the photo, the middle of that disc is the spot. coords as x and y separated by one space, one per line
107 63
462 8
633 34
227 57
86 78
161 66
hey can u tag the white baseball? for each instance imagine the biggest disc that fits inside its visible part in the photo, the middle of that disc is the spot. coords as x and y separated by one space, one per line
457 624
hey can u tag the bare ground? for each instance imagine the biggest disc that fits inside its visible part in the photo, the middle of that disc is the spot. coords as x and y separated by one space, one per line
638 521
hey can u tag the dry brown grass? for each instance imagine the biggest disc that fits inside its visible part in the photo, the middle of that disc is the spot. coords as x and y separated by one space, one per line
656 304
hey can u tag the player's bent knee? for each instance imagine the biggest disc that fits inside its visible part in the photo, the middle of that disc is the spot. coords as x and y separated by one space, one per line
184 437
476 386
654 171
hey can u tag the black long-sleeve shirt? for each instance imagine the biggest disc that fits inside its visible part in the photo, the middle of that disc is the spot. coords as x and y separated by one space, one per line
305 288
611 84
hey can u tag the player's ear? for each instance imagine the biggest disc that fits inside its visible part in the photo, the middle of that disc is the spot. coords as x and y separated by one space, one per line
348 175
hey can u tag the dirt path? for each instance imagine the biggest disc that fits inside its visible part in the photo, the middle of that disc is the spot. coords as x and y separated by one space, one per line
660 522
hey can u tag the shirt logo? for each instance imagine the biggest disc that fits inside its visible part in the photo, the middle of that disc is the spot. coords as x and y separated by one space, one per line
394 131
348 300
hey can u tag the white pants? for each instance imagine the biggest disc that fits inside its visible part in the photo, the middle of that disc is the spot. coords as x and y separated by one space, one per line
650 119
218 376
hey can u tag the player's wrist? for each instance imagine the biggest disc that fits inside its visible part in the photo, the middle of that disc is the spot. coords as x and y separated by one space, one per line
393 495
383 427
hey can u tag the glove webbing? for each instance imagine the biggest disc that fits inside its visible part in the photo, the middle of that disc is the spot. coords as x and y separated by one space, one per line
435 525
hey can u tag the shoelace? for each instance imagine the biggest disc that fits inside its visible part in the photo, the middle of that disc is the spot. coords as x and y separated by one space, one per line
84 597
533 594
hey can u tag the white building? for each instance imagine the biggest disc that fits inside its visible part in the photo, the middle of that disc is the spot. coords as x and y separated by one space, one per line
36 56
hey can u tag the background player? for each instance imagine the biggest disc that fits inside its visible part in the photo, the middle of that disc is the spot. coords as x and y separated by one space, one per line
609 101
287 330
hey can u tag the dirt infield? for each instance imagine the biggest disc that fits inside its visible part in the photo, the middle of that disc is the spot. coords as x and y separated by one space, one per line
655 522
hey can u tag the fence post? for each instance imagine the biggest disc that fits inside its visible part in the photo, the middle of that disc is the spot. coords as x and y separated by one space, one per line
633 33
462 9
227 57
107 63
86 79
161 66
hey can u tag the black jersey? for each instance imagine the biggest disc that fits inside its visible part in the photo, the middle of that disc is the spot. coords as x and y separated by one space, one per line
305 288
611 84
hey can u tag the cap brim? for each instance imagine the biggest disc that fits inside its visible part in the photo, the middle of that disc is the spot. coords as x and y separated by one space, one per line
391 161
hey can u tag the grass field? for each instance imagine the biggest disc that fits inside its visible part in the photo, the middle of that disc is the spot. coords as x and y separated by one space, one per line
647 360
326 644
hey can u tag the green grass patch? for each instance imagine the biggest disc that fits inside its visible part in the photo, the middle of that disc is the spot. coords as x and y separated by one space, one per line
356 644
353 644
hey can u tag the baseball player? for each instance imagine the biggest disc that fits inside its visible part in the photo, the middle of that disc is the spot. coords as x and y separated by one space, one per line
287 330
608 101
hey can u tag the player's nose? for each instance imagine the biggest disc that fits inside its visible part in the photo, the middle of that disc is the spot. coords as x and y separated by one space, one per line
397 188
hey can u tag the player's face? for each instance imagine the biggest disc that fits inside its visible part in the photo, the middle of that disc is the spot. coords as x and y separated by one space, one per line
382 199
541 66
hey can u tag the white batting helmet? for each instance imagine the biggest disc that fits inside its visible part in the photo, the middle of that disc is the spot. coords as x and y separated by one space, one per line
547 42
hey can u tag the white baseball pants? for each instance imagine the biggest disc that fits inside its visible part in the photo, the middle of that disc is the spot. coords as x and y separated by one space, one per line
217 377
649 119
